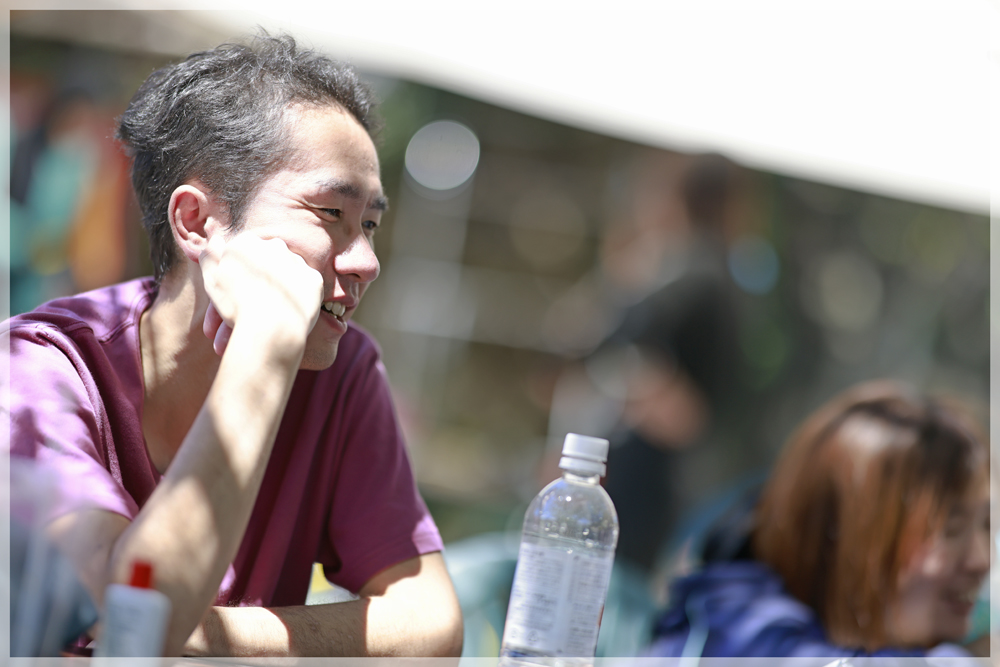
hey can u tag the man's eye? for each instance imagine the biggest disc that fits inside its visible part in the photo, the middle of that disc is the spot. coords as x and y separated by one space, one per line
370 225
332 212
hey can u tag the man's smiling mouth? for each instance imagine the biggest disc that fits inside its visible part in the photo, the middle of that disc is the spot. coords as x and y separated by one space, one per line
335 308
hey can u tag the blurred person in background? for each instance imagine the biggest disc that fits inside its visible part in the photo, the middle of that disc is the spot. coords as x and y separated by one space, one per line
67 189
683 339
872 537
672 357
223 420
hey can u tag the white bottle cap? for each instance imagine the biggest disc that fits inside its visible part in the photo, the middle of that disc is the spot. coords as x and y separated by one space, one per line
582 453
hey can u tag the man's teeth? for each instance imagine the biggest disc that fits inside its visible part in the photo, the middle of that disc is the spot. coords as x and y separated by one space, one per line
334 308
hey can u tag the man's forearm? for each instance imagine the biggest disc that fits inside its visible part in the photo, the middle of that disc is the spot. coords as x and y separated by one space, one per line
409 609
322 630
341 629
192 525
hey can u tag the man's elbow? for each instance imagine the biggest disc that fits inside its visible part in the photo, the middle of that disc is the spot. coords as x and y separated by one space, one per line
420 601
450 633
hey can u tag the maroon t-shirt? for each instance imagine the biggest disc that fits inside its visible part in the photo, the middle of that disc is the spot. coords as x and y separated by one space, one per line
338 489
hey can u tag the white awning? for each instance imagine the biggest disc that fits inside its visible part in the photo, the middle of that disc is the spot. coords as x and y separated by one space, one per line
884 96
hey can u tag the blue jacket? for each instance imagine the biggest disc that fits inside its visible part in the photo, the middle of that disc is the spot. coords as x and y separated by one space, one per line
741 608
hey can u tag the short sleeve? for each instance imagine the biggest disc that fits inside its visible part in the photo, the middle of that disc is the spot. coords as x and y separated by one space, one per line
57 422
377 517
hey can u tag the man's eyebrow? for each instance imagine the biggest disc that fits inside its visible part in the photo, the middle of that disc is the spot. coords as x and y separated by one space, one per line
351 191
380 203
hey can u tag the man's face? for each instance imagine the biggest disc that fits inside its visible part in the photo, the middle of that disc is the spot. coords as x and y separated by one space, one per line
938 586
325 203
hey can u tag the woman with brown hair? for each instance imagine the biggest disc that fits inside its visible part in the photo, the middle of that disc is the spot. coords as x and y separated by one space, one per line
872 537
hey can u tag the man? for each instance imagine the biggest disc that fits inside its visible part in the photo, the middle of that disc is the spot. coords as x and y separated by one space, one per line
224 421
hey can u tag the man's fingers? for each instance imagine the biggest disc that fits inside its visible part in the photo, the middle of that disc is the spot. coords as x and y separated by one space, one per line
212 322
213 249
248 274
222 338
216 329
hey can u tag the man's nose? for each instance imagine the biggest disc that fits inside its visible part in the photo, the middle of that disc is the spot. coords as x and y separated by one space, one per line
358 260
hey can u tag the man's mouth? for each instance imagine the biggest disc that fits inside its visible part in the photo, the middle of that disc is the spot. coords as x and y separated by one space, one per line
335 308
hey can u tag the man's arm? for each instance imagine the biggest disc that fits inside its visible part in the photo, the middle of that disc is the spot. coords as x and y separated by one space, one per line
408 609
191 526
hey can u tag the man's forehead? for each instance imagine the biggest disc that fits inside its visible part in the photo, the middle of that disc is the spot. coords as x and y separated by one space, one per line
330 145
298 114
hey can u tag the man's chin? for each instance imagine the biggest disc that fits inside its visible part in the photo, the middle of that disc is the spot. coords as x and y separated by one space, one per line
319 360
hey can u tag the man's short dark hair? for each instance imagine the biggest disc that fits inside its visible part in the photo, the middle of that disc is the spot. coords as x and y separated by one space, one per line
217 116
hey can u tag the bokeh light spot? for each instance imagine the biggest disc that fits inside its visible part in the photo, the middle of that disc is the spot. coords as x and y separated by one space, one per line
442 155
753 263
936 242
849 291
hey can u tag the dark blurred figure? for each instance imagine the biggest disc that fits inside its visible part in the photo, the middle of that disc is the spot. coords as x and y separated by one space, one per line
682 337
872 537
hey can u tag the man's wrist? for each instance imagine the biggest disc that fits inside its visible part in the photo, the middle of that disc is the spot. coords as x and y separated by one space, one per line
269 339
197 644
238 632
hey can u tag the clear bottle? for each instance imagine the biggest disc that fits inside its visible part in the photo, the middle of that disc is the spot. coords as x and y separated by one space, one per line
564 563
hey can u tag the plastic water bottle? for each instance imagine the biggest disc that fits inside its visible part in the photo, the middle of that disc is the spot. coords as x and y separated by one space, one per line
564 563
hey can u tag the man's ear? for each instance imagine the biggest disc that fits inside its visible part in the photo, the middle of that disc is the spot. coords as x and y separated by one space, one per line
194 216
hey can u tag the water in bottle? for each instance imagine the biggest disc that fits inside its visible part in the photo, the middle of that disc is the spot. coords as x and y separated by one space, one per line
564 563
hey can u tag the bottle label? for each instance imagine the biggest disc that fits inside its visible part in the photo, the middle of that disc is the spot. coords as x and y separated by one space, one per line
557 599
